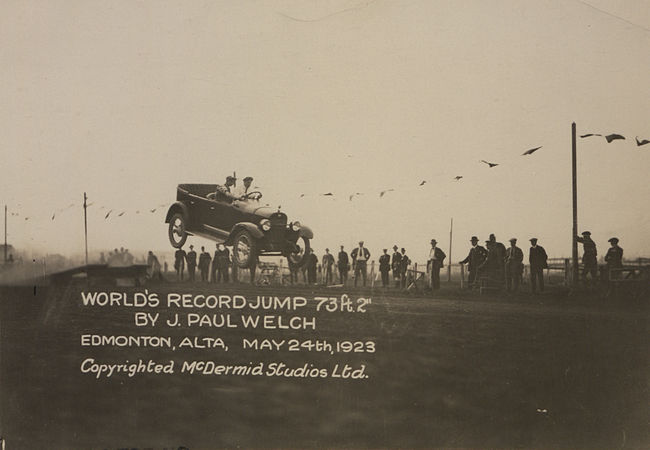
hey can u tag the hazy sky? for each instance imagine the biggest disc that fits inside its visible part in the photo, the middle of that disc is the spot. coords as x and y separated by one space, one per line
126 99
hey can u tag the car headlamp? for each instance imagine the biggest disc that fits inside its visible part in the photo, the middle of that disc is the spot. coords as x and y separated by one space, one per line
265 224
295 226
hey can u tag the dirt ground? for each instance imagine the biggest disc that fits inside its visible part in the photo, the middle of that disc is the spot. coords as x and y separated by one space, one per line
453 370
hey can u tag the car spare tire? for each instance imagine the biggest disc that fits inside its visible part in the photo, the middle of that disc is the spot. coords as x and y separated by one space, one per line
177 230
299 257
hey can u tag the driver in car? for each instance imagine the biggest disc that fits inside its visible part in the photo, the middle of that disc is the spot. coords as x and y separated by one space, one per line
243 189
244 192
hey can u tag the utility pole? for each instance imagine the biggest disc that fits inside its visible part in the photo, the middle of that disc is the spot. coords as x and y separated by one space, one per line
451 233
5 234
86 226
574 186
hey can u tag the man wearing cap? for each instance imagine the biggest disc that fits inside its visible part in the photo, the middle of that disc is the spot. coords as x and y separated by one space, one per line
384 267
475 258
243 189
499 255
343 264
396 265
514 266
179 263
590 264
537 258
204 264
614 258
434 264
328 262
191 262
404 263
360 257
224 193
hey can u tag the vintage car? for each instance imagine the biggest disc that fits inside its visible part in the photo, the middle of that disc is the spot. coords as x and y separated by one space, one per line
250 227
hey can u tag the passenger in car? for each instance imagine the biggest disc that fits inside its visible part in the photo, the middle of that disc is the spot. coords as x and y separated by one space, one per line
224 193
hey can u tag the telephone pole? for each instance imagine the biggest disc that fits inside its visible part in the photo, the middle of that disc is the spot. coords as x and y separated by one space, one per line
86 226
574 186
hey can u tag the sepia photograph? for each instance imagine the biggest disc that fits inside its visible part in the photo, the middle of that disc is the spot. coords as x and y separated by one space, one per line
324 224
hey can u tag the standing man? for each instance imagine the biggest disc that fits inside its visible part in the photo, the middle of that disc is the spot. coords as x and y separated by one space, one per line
614 258
514 266
537 258
328 262
404 264
224 263
312 263
396 265
204 264
191 263
590 264
499 257
475 258
215 264
344 266
179 263
384 268
435 263
360 257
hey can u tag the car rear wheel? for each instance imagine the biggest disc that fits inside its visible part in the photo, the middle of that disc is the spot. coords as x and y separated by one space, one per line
177 230
298 258
244 250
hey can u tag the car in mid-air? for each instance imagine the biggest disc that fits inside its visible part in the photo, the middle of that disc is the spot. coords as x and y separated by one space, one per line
250 227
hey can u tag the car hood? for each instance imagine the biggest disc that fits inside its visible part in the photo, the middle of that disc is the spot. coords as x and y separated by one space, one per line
258 209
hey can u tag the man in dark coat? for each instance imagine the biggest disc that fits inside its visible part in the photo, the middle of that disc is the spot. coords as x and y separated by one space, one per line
435 263
343 265
396 265
475 258
204 264
179 263
514 266
384 267
614 258
537 259
404 264
328 262
499 255
224 264
312 263
215 264
590 264
191 263
360 256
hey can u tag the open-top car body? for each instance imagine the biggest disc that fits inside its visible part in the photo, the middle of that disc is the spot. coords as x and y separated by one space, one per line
253 229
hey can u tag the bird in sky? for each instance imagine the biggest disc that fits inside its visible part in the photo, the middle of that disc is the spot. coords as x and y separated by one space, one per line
458 177
531 151
108 214
26 218
153 210
121 214
302 195
329 194
53 216
613 137
382 193
138 211
422 183
589 135
489 163
643 142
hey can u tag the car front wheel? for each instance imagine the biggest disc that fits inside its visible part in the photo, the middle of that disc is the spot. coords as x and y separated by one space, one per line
177 230
298 257
244 250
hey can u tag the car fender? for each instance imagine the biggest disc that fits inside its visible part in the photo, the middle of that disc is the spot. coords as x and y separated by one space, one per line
177 207
248 226
305 232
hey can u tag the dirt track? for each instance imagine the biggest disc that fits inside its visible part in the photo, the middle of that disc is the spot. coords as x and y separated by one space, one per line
462 371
